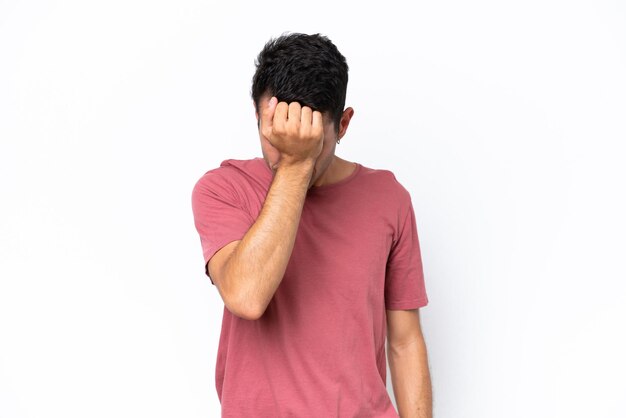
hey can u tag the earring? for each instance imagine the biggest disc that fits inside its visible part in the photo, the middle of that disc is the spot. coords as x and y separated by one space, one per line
338 140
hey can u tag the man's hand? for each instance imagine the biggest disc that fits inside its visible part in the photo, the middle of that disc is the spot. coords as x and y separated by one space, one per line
297 132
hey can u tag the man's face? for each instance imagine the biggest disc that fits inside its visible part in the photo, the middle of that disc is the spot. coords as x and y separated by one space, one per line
272 155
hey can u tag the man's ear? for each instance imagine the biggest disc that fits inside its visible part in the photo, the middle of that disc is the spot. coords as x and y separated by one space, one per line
345 121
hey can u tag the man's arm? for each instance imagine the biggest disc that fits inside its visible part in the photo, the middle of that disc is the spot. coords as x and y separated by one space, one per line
248 273
253 270
408 363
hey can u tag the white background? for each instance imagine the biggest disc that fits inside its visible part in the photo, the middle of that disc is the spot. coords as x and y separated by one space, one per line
504 120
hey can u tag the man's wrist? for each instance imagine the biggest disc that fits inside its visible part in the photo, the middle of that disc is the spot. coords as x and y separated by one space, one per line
304 167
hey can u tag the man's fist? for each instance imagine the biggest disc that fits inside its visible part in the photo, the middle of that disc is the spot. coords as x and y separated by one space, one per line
297 132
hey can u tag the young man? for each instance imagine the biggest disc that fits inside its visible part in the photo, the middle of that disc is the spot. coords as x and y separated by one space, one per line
316 258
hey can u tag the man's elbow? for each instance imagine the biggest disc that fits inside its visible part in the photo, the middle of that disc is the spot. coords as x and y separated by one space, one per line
245 312
244 307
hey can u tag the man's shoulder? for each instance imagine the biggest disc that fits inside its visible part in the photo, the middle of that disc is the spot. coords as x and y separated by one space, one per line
234 171
385 181
232 166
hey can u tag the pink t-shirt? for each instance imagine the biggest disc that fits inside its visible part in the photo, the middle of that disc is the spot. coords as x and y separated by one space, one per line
318 350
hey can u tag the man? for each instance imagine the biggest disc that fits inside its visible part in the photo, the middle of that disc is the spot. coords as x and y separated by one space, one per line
316 258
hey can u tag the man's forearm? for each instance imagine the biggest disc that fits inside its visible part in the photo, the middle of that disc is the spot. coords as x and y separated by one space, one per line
410 378
258 264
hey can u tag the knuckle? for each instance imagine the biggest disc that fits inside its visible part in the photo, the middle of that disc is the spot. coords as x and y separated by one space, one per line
294 128
305 131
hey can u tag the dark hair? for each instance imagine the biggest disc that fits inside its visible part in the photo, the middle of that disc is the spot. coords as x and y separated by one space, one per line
308 69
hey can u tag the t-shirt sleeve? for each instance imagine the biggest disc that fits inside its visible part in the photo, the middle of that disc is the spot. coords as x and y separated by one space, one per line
404 280
218 214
